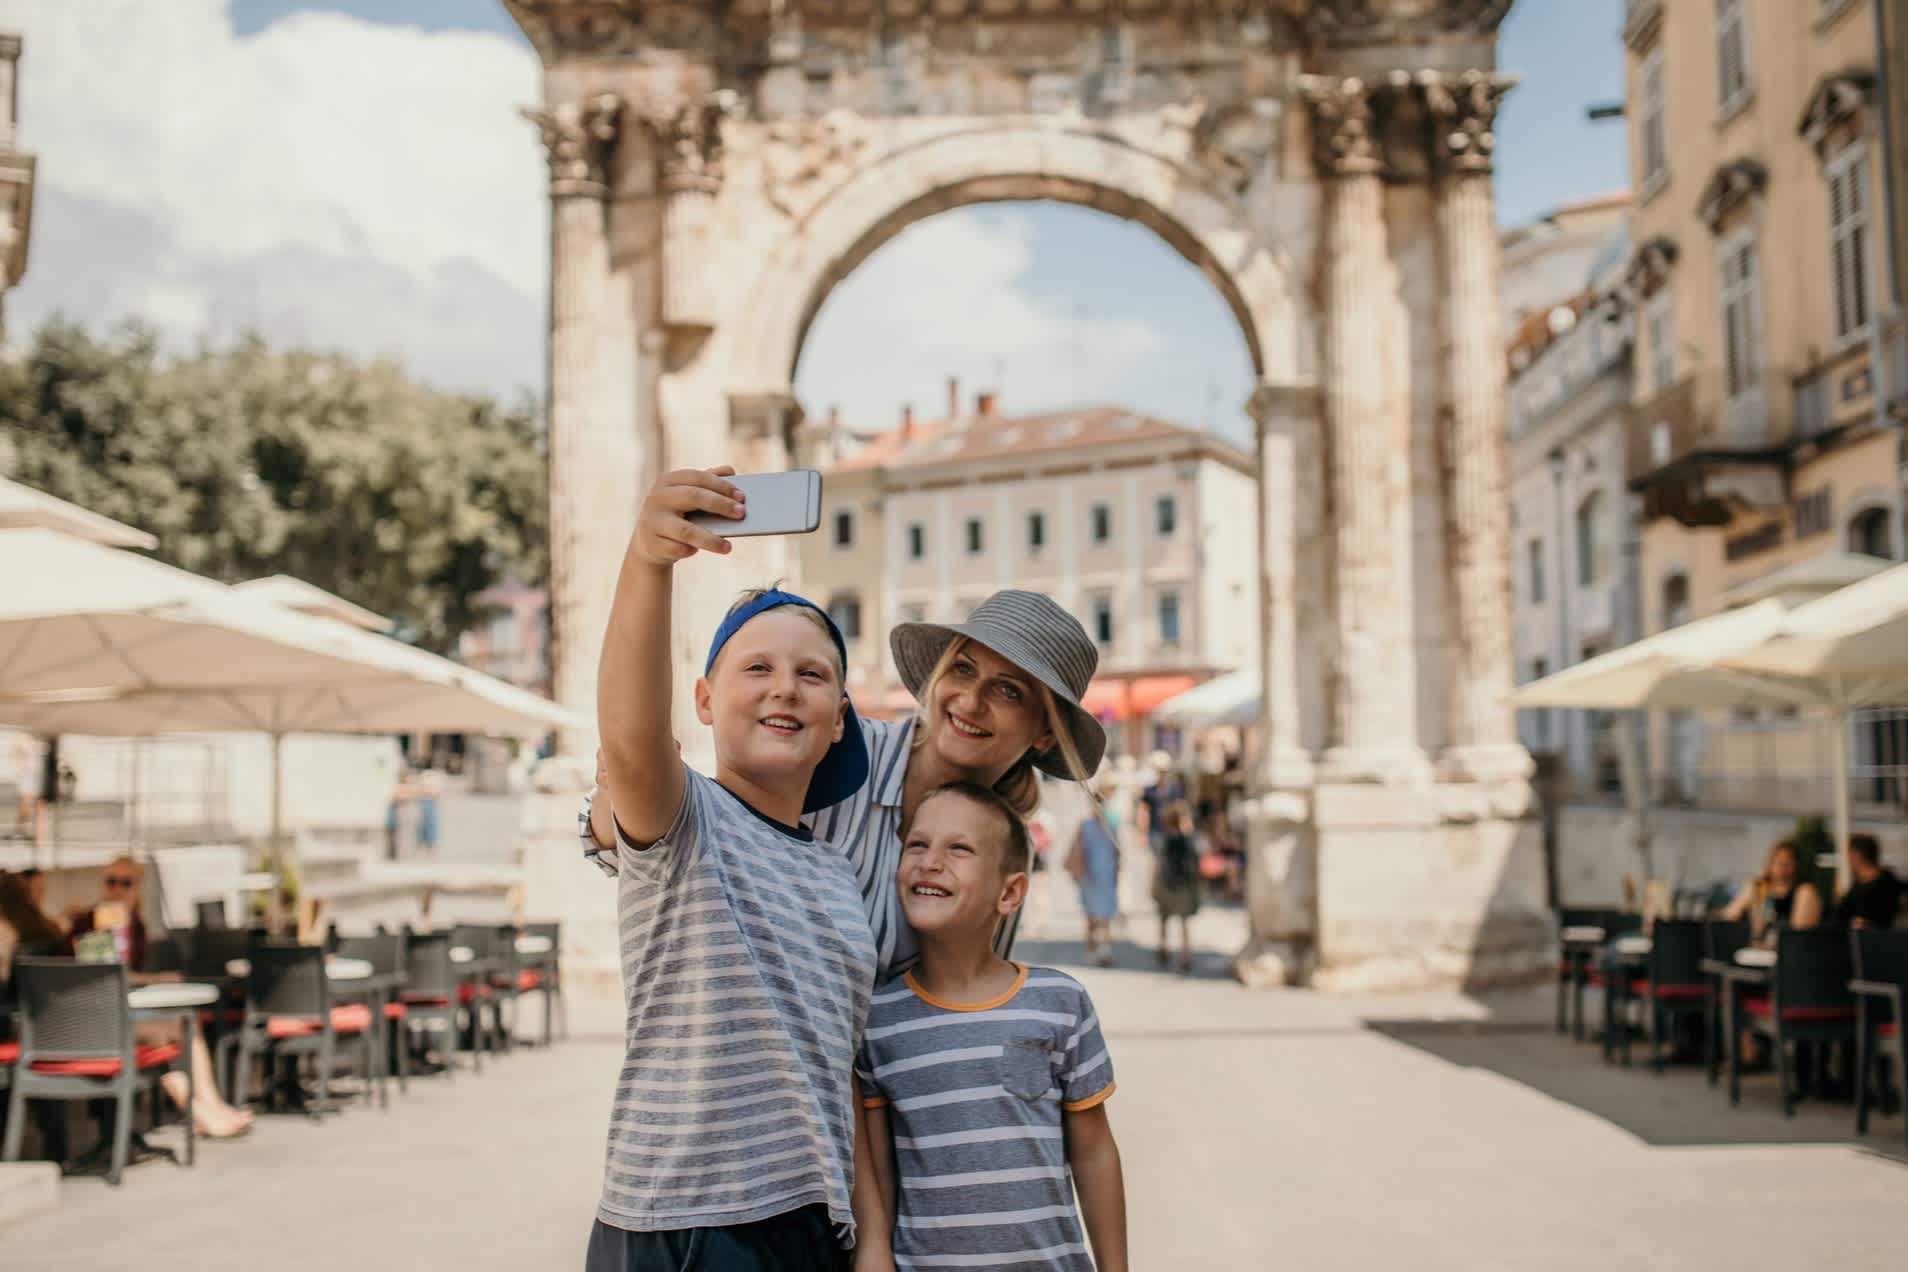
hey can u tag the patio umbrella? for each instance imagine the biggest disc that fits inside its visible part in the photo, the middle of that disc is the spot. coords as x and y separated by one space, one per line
104 642
1847 651
1229 699
1675 669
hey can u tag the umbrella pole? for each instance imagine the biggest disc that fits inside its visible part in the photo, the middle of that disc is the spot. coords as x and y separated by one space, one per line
1838 753
275 852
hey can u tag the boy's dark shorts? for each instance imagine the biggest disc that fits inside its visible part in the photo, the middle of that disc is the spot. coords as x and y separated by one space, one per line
799 1241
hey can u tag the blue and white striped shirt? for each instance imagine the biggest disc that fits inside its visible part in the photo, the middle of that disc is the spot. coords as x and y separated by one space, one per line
866 828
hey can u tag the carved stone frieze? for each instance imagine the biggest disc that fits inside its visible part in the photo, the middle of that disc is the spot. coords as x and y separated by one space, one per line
581 138
1838 100
802 158
1344 23
1650 266
1731 186
1463 110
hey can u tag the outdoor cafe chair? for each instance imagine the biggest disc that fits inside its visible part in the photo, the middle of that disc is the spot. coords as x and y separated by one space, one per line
543 973
207 952
1575 960
1721 939
385 953
212 913
289 1014
475 991
1809 1000
76 1043
507 980
431 985
1880 963
1672 987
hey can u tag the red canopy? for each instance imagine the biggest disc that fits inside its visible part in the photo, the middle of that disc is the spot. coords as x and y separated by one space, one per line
1126 699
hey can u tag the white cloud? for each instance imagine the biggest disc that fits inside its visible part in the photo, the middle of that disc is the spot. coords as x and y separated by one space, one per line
948 298
329 181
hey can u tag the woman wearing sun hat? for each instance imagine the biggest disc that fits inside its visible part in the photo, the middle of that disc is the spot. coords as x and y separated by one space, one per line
999 699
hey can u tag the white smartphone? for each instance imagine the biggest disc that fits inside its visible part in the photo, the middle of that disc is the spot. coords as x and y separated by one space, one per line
773 503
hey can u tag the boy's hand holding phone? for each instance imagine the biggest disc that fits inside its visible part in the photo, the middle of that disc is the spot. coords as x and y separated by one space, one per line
664 533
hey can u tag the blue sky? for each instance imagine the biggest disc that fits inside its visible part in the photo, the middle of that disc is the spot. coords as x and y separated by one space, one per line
351 174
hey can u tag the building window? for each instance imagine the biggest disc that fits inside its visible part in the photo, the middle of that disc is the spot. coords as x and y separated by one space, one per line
1102 611
1536 559
1036 531
1100 519
1742 316
1655 135
917 541
1165 516
845 528
1868 534
1169 618
1659 319
1732 55
1847 177
1811 513
1589 539
976 537
845 609
1539 668
1675 601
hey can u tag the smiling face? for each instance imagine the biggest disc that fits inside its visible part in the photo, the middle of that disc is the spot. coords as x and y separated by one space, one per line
982 713
774 699
955 878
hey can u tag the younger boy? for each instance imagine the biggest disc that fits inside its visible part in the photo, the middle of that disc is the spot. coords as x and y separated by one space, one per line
990 1077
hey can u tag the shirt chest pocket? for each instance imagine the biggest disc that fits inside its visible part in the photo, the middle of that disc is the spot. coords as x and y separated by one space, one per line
1026 1067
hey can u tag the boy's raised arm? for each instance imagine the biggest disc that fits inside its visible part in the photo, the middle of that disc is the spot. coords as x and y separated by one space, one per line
1095 1159
634 681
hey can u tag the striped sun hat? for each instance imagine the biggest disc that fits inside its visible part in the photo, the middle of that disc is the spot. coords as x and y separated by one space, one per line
1032 632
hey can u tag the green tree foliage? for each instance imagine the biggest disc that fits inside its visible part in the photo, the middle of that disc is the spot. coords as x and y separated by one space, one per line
250 461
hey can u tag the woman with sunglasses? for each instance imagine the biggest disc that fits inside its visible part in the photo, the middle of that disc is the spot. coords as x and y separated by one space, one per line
211 1115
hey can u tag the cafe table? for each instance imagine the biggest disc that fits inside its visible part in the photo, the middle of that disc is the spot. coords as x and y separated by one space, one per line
1750 970
181 1000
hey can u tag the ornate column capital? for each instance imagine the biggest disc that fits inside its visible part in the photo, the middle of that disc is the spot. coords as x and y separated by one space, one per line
1344 128
1463 110
689 144
581 137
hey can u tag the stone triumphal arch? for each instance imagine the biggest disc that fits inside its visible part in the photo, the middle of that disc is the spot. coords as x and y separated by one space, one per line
716 167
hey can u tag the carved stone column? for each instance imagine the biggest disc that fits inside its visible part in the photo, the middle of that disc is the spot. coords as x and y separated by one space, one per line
593 464
1373 732
1291 580
689 162
1484 745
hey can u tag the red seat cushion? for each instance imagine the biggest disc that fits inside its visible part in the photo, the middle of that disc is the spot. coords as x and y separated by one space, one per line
1886 1031
1642 987
349 1019
1763 1009
425 1000
529 979
466 990
395 1011
224 1016
106 1067
9 1052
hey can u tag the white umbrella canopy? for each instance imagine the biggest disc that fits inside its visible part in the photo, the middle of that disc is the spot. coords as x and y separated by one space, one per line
23 506
1679 668
1229 699
1858 634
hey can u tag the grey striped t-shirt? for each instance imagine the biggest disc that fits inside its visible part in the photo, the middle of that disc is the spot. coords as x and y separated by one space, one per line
747 967
866 829
977 1097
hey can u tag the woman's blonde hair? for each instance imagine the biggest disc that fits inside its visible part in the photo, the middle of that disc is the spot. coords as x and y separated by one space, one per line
1019 786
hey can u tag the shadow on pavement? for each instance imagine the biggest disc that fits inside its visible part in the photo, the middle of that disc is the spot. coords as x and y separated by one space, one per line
1128 956
1674 1109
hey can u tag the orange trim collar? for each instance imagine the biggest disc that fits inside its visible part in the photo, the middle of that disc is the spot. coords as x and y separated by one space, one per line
943 1004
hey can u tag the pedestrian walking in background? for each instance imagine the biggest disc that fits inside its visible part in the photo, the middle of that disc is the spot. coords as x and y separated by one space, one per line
429 785
1094 863
1176 881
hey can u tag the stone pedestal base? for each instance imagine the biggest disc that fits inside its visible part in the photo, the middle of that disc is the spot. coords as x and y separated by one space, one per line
1493 763
1361 888
559 884
1381 765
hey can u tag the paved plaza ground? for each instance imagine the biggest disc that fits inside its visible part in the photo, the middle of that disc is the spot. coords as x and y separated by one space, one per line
1260 1130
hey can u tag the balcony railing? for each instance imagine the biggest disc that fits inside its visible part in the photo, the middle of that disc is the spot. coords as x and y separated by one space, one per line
1663 430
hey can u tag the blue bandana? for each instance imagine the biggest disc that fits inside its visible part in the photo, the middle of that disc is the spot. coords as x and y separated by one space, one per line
845 768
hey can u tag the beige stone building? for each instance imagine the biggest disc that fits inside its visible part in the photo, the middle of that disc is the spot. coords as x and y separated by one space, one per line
16 176
1141 528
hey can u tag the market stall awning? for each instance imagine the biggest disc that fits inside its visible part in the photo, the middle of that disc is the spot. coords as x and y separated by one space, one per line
1231 699
1128 698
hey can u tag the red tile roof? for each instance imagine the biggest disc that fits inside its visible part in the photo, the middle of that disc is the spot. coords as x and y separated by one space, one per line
992 437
